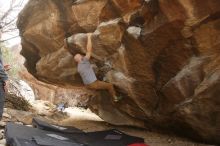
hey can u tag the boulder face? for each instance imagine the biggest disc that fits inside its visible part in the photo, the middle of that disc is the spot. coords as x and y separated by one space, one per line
56 95
162 56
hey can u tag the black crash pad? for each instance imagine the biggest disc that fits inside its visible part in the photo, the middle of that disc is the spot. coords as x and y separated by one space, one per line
18 134
108 137
56 128
112 138
21 142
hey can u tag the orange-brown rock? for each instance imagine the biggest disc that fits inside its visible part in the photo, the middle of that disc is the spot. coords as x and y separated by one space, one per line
74 96
162 56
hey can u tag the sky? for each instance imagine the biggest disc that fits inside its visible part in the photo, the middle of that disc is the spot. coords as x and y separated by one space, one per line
4 5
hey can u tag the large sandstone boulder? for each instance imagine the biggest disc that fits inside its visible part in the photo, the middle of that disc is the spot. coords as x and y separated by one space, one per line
162 56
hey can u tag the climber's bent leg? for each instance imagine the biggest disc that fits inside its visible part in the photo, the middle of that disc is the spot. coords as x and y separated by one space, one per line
100 85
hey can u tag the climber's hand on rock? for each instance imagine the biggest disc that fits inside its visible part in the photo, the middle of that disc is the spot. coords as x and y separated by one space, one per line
89 35
7 67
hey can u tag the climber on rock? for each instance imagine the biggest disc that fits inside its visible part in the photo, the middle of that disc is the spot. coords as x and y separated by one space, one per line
87 73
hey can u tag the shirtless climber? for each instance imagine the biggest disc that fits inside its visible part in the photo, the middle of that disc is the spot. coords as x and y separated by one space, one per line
87 73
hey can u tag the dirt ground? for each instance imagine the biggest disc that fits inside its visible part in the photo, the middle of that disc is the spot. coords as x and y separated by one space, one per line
87 121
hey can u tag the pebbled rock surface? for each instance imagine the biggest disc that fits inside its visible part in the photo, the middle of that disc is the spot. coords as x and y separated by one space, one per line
162 56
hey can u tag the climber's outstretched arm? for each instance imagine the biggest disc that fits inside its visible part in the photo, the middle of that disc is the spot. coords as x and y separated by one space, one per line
89 46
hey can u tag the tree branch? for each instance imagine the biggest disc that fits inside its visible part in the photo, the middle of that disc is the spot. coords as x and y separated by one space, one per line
7 18
9 39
